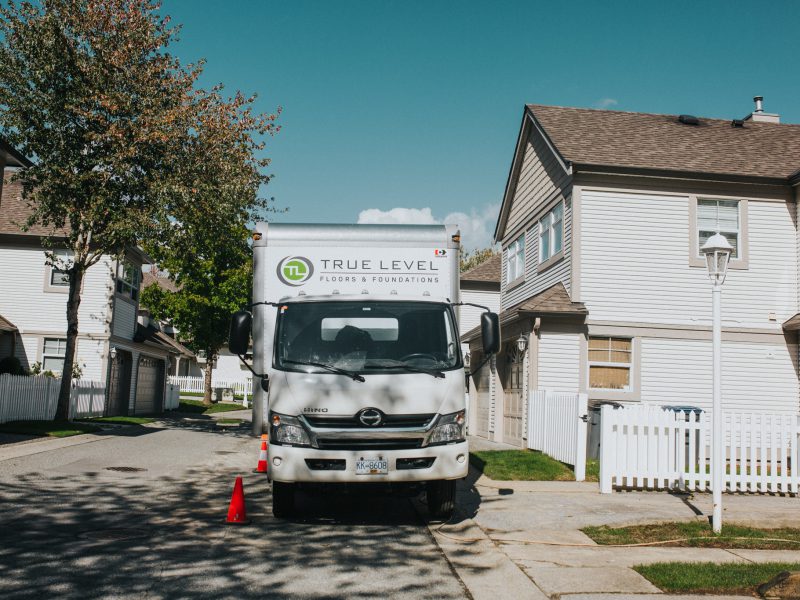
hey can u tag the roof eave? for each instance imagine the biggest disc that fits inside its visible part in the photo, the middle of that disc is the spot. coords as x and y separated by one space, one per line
13 157
600 169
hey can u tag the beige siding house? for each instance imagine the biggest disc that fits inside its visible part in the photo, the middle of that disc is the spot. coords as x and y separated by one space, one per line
115 345
602 219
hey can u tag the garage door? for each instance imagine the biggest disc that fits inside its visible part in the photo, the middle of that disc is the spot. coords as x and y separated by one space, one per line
483 407
149 385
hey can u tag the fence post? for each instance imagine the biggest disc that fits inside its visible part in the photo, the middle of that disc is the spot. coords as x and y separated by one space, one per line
580 443
606 451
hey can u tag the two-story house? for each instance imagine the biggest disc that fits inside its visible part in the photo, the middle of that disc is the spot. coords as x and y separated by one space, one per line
604 285
115 345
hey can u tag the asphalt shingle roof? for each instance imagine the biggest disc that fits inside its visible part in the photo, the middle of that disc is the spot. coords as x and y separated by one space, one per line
487 271
6 325
651 141
14 211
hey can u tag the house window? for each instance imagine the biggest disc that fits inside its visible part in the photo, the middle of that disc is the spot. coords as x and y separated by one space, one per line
128 278
551 233
60 277
515 264
718 216
53 354
610 363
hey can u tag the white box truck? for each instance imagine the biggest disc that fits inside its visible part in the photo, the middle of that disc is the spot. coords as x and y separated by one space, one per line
356 349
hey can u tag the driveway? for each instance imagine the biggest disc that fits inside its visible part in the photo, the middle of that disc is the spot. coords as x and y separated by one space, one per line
139 512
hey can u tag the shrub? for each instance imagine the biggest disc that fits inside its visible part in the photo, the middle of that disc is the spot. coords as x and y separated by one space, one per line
12 366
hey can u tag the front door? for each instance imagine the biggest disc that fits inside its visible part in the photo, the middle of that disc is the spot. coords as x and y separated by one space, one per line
513 398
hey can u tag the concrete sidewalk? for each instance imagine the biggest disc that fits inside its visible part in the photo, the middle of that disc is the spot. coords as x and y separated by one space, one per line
532 529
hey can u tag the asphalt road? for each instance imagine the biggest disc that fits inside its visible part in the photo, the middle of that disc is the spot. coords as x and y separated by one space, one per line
72 528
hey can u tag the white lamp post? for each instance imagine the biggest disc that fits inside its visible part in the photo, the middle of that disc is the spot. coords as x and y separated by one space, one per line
717 251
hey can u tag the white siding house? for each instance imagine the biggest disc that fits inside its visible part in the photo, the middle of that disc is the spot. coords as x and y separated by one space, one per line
620 305
113 346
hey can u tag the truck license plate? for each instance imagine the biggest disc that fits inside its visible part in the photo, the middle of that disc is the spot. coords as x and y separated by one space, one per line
372 466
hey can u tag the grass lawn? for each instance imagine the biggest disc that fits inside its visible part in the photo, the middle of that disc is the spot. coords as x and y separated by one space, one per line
197 407
520 465
732 536
48 428
120 420
526 465
712 578
229 421
200 395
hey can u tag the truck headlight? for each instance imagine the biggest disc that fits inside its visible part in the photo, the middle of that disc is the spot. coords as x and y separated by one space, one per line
449 428
288 430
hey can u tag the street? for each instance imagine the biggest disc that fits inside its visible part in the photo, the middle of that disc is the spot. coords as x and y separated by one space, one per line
140 513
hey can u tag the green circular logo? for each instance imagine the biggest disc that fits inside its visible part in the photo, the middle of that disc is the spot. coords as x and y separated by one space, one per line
295 270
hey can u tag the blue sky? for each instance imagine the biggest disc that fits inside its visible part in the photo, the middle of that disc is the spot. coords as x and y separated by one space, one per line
415 106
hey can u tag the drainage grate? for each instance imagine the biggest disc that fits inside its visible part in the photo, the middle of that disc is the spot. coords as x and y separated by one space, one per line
111 535
125 469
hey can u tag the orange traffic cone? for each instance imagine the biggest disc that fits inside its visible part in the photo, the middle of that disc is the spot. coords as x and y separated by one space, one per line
262 456
237 513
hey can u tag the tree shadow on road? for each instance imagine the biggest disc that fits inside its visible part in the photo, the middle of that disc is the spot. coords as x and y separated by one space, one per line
100 534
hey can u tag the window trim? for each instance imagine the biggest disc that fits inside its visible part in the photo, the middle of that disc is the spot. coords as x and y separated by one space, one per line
551 235
117 279
48 276
742 262
43 355
521 276
633 393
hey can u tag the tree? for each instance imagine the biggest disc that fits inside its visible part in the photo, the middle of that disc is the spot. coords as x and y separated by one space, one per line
89 92
470 260
202 241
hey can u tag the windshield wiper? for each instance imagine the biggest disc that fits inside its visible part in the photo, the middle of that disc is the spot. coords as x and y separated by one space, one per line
331 368
406 367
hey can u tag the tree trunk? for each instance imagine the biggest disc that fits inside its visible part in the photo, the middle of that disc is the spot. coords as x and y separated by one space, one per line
73 303
207 383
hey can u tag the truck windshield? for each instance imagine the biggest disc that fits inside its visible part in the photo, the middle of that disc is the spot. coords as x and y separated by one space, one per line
367 337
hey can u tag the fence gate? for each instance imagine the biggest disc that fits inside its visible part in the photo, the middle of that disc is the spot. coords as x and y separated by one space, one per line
557 426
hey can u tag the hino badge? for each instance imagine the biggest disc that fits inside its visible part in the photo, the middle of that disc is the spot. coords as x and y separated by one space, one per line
356 346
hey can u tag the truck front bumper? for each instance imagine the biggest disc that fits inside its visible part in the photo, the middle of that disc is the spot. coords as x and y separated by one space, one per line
290 464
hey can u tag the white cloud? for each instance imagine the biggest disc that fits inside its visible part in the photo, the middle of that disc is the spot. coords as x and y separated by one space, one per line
606 103
477 227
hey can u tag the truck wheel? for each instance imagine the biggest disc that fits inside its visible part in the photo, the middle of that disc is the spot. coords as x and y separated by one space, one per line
441 497
282 499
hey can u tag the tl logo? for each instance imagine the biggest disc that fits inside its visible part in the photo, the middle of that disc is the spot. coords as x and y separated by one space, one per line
295 270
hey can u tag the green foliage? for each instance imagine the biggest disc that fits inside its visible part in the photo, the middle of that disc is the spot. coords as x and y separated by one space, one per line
11 366
202 241
712 578
89 92
470 260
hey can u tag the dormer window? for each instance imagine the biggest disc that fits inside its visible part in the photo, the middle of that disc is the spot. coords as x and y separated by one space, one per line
128 280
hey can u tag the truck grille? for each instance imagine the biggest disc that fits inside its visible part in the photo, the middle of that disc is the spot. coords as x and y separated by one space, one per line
371 444
352 422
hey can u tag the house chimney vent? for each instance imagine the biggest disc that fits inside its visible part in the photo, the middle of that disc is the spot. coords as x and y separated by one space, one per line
759 116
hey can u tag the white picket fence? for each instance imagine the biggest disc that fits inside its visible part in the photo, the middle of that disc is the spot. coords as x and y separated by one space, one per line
88 399
24 398
172 399
197 384
647 447
557 427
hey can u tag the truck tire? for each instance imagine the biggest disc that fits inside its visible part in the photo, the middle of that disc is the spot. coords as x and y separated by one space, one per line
282 499
441 496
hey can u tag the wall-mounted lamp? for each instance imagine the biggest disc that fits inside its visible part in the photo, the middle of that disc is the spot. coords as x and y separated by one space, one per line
522 342
113 352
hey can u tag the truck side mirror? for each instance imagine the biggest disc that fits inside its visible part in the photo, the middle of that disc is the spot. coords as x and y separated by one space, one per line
239 336
490 333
